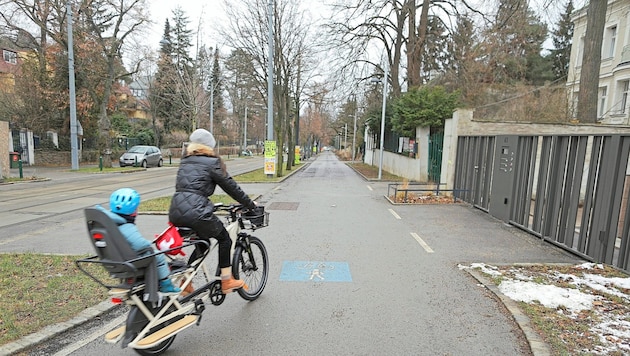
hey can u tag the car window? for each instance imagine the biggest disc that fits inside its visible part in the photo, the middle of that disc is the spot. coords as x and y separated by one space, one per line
137 149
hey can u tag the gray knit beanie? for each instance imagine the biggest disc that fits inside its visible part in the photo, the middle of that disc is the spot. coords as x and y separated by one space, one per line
203 137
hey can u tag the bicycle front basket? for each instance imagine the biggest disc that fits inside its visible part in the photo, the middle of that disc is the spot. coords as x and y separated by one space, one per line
257 217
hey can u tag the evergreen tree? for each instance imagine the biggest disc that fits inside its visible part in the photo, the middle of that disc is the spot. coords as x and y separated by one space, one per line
436 45
426 107
562 36
217 83
464 70
514 41
163 94
181 41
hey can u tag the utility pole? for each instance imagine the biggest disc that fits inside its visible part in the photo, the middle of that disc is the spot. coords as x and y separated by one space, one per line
270 74
73 101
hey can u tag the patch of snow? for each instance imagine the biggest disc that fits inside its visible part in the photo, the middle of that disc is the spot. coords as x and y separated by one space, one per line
548 295
612 328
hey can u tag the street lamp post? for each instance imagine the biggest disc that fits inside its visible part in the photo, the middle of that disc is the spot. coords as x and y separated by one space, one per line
345 137
245 131
380 161
382 143
354 131
212 105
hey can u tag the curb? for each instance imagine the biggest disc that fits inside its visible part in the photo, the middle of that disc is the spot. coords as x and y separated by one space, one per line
536 344
51 331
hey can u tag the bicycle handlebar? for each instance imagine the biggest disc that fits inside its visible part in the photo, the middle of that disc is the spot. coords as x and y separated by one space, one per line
230 207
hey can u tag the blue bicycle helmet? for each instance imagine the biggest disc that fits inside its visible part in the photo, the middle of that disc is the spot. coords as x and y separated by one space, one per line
124 201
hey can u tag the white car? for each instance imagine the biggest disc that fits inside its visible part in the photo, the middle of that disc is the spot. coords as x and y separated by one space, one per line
142 156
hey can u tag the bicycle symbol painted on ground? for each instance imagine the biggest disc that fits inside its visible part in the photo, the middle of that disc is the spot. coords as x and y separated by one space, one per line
315 271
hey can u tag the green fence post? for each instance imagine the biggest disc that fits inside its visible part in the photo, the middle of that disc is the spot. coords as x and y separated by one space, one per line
20 167
100 163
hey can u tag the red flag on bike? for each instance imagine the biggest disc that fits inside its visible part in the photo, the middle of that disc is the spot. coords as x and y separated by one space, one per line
170 238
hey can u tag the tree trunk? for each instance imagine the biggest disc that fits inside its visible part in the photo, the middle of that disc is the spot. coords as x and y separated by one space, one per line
413 69
417 38
591 61
103 120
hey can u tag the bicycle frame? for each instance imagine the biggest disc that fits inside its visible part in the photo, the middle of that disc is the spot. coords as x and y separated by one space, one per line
151 326
184 312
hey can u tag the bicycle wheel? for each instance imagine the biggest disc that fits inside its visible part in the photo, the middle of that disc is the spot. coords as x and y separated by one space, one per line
137 321
251 266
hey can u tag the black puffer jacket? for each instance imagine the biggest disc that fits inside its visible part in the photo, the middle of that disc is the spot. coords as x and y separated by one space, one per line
197 179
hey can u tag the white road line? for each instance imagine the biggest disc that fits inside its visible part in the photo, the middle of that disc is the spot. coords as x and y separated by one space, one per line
77 345
422 243
394 213
369 187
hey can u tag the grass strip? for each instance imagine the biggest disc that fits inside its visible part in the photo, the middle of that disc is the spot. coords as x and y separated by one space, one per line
38 290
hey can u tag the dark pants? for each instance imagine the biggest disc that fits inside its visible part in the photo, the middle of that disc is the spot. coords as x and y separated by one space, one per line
225 245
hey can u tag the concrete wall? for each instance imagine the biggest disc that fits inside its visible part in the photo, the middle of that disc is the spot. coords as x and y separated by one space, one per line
4 149
462 124
413 168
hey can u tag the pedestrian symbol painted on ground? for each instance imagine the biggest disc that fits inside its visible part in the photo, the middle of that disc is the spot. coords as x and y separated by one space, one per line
315 271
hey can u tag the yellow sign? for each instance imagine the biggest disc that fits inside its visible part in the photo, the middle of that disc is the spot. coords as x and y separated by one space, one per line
270 157
297 155
270 149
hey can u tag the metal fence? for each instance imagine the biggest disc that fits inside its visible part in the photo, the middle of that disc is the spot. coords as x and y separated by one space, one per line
569 190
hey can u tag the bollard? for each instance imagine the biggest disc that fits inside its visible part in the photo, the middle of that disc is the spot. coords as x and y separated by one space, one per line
169 159
135 164
100 163
20 167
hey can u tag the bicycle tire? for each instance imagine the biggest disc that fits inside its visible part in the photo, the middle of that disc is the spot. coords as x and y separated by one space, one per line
242 268
140 320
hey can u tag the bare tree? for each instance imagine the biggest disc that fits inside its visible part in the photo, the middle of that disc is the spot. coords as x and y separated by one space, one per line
247 31
395 27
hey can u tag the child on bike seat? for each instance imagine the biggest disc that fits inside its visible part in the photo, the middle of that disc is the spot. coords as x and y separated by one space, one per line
124 209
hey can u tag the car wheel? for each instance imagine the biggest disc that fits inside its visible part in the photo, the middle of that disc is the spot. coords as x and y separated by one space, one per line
160 163
144 164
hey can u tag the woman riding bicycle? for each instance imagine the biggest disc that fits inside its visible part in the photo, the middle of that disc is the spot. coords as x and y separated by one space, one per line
200 171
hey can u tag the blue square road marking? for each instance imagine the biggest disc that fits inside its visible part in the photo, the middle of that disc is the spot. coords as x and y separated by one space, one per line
315 271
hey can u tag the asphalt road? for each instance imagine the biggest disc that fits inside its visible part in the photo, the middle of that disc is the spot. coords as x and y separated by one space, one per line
350 274
47 216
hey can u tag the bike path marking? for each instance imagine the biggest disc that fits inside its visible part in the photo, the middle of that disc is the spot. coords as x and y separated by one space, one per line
424 245
394 213
315 271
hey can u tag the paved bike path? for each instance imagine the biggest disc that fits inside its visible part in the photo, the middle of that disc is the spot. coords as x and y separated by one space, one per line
438 300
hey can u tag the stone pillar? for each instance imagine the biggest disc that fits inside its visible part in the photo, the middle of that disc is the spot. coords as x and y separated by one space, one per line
4 150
